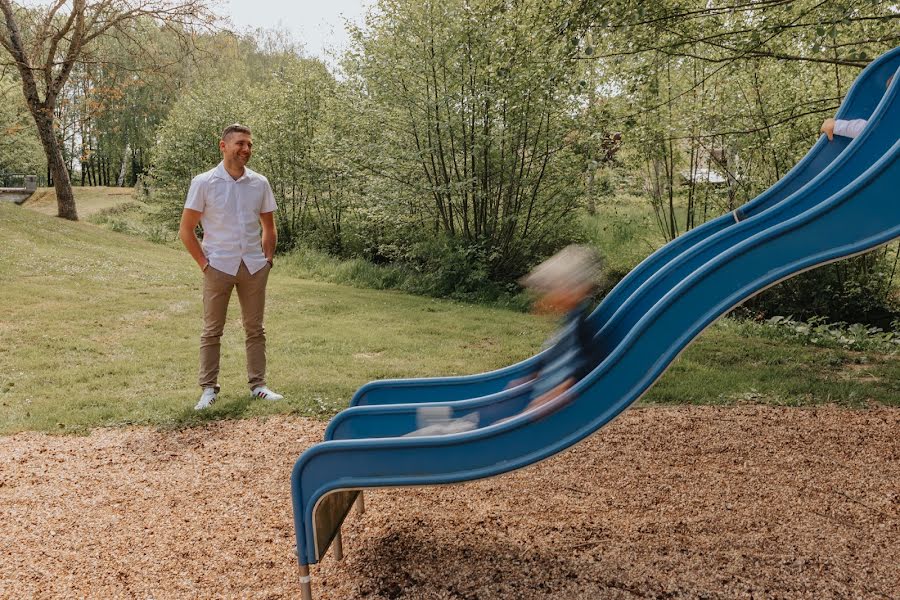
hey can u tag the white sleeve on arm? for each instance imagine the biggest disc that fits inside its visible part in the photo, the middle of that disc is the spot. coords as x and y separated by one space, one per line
850 129
196 199
268 203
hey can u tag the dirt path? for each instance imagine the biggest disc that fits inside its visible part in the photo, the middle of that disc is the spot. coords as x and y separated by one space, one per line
665 502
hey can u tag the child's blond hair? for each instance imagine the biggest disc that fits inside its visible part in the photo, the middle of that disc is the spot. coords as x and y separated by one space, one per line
572 266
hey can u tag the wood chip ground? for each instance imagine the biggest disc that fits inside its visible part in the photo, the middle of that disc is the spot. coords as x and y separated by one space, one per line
688 502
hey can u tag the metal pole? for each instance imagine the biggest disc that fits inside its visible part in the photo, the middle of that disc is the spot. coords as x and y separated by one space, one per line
360 504
305 586
338 546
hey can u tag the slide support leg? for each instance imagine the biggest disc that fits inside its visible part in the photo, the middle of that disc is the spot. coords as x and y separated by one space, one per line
305 585
338 546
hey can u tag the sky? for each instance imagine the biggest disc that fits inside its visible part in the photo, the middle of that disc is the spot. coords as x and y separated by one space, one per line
317 24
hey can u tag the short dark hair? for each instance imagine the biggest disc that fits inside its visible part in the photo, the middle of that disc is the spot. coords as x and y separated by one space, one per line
235 128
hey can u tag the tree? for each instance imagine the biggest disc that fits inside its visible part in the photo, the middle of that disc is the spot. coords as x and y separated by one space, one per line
465 105
188 141
296 129
736 88
20 151
115 102
739 88
45 44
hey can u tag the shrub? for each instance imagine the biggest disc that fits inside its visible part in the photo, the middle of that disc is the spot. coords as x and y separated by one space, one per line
857 290
820 332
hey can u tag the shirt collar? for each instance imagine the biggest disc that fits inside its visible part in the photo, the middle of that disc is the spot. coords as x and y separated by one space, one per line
221 173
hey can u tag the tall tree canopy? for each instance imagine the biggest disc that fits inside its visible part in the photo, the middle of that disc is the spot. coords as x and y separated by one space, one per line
45 43
463 108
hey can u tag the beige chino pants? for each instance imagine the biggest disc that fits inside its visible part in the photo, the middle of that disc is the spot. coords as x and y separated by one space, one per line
251 290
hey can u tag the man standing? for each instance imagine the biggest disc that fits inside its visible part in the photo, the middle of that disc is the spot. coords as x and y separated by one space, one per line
231 202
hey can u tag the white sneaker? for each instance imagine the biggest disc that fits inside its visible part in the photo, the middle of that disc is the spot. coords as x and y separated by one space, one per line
264 393
207 398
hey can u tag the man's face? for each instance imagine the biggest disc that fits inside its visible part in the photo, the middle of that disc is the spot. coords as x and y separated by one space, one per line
237 147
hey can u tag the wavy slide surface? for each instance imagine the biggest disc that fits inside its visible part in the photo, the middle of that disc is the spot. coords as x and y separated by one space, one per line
840 200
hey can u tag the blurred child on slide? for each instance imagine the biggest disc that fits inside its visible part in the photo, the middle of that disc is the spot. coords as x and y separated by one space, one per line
565 284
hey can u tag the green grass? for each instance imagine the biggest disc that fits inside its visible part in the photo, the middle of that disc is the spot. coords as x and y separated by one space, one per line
134 218
624 230
732 363
113 208
101 328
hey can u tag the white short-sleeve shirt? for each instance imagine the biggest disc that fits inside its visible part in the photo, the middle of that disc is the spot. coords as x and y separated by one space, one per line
230 219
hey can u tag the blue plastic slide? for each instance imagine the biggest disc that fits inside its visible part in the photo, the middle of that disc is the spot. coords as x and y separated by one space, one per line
859 103
839 201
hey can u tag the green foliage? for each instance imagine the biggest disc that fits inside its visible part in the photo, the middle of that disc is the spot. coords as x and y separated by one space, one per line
460 113
116 99
353 164
447 279
188 141
20 147
129 217
622 230
818 331
857 290
462 138
293 132
297 132
697 85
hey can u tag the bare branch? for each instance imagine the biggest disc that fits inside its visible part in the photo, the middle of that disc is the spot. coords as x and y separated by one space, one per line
705 12
77 13
47 22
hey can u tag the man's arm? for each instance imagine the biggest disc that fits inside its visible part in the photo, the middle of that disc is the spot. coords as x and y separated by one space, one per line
189 220
269 235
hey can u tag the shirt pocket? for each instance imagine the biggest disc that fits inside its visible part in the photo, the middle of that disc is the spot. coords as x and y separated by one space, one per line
217 198
255 201
250 206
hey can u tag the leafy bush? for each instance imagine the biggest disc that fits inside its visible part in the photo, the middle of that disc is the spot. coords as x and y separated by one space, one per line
306 262
20 147
857 290
820 332
134 218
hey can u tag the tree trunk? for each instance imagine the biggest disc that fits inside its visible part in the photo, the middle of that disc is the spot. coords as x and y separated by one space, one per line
65 199
120 180
591 201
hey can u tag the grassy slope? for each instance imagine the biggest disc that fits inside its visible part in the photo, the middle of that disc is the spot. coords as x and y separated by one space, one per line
101 328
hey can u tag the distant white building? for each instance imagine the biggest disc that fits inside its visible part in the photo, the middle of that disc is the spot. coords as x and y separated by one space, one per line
703 175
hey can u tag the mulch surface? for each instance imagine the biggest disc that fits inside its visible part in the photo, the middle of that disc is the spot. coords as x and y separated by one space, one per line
687 502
